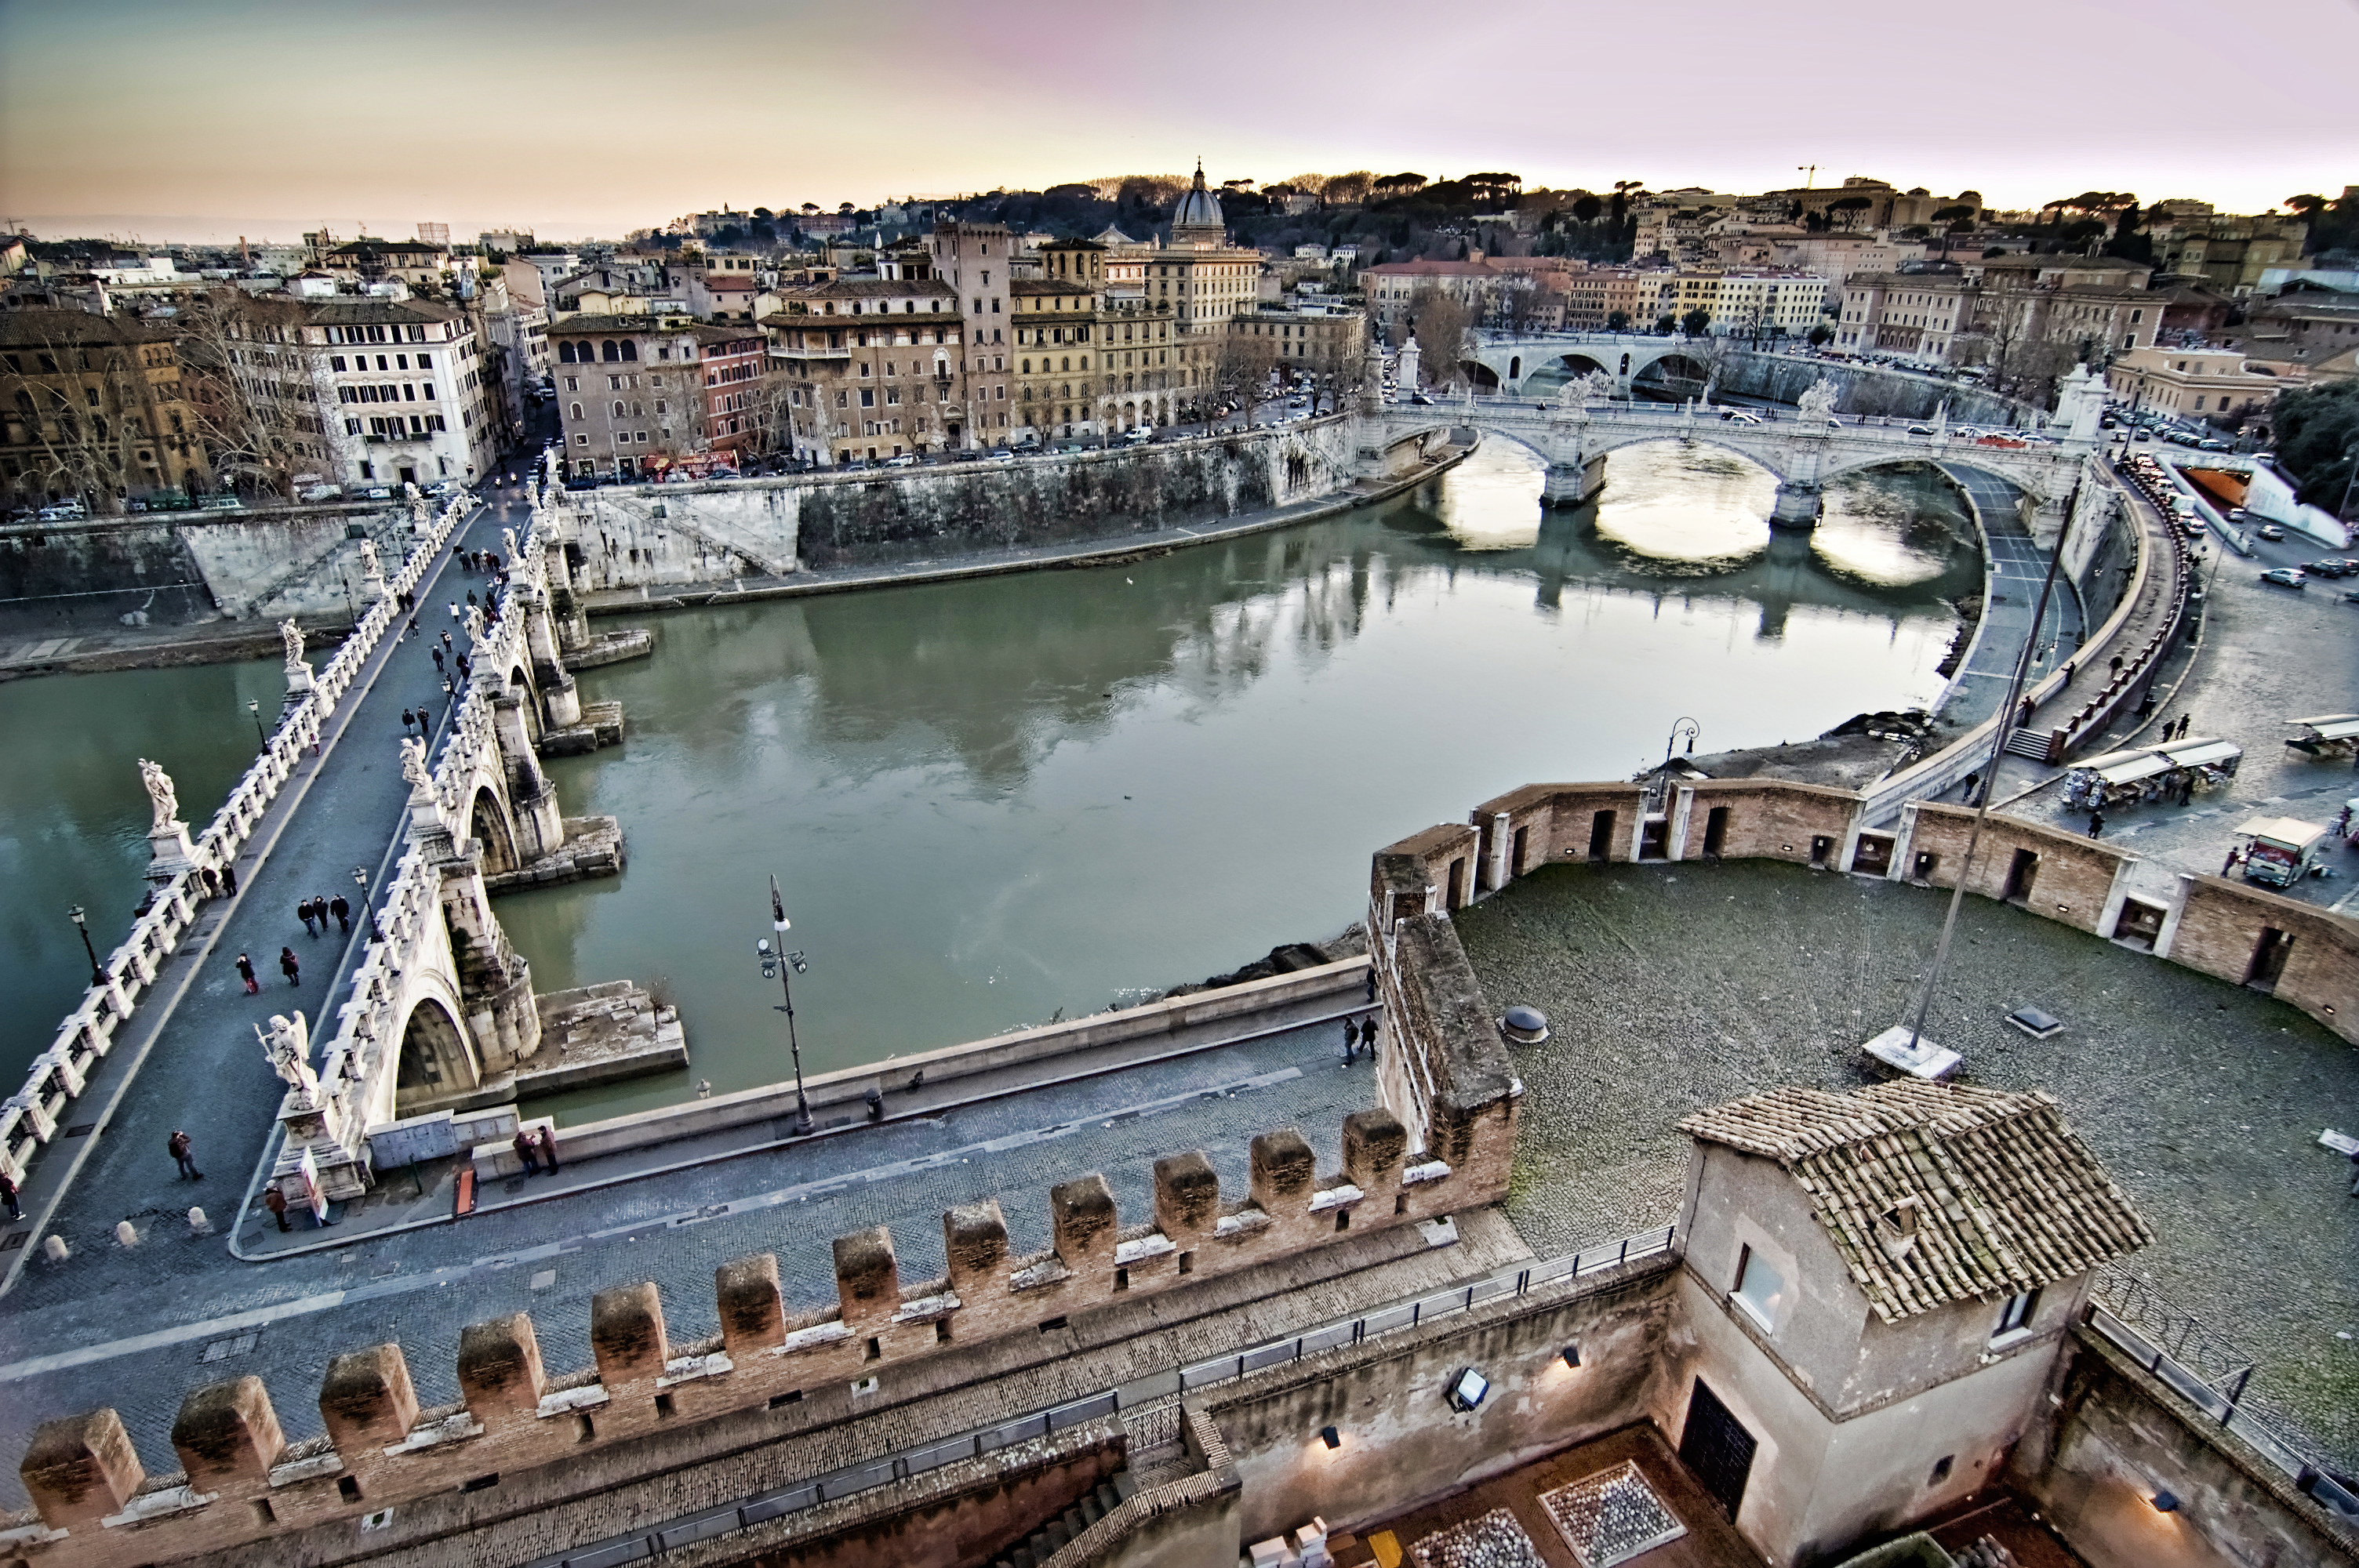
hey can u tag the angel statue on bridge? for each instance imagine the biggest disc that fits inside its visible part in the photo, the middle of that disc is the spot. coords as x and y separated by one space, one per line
161 796
292 635
508 539
1817 406
289 1046
413 764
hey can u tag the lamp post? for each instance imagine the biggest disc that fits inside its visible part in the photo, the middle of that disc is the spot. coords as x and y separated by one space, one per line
784 966
1679 727
97 976
254 706
361 880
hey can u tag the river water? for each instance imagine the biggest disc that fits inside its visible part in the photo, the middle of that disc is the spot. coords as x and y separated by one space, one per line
993 801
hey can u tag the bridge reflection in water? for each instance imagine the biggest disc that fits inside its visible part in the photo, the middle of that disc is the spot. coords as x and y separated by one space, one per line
994 799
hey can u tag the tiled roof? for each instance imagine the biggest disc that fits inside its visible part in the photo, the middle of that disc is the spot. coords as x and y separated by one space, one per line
1935 1193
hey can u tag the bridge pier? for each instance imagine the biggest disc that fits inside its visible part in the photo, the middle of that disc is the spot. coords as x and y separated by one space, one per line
1798 507
1573 483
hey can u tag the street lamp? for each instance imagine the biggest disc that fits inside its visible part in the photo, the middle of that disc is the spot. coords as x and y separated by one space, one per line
783 966
1686 726
361 880
254 706
97 976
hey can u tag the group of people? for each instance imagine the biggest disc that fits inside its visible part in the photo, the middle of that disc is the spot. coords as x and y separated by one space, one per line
321 910
1359 1035
537 1153
288 965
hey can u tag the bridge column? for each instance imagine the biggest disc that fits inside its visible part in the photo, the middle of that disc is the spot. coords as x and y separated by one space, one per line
560 697
495 981
1573 483
1798 505
540 827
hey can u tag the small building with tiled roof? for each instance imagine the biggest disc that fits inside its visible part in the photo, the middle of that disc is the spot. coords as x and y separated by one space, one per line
1878 1285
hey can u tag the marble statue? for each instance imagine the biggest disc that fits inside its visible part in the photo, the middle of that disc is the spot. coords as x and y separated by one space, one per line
292 635
413 763
1818 404
161 794
1597 387
508 543
289 1046
369 567
474 623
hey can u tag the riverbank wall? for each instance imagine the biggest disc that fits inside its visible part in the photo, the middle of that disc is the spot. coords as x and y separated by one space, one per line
1864 389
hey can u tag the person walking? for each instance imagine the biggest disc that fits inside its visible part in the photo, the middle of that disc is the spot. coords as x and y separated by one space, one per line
548 1141
454 612
1368 1035
2096 823
343 911
2229 864
8 1197
184 1155
1350 1040
446 639
438 661
276 1202
320 910
413 627
303 910
245 973
409 720
229 880
522 1144
289 966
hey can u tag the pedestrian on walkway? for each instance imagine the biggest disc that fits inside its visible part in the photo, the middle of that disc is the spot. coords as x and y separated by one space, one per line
446 640
276 1202
184 1155
343 911
522 1143
289 966
548 1141
320 908
438 660
211 880
229 880
1368 1036
2187 789
2229 864
2096 823
1350 1040
245 973
413 627
8 1197
470 599
466 666
1971 780
454 612
409 720
303 910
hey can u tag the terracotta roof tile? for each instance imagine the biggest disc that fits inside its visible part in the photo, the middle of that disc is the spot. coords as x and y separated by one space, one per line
2004 1195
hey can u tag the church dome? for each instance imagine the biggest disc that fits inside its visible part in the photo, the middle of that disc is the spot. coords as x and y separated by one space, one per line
1198 209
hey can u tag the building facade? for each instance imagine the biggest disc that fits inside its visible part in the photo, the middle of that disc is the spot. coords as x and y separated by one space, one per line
976 260
92 410
631 394
2215 384
409 403
863 370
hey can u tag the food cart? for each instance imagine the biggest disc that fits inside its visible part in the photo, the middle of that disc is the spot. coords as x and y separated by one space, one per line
2281 851
2327 735
2198 765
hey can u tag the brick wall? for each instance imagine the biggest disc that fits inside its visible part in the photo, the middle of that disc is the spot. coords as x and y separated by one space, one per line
2071 875
1768 819
2221 926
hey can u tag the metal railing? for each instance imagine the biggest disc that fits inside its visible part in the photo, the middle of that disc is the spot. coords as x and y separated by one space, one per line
777 1502
29 1118
2178 1350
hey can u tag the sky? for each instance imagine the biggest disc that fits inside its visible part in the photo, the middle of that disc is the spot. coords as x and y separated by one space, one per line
205 120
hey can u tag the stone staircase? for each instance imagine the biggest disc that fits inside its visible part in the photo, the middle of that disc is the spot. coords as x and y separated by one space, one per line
1054 1536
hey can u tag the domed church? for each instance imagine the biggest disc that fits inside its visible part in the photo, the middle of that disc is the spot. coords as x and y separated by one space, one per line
1196 222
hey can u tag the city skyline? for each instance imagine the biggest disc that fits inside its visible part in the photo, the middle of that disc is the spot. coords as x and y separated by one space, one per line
558 123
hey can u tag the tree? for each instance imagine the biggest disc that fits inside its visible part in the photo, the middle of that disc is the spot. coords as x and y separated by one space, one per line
1346 189
256 388
1821 334
2318 434
1241 365
1665 326
85 420
1851 207
1694 323
1442 323
1585 208
1617 321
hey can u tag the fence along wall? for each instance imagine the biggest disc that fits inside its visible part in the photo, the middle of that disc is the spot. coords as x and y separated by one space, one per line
2303 954
242 1480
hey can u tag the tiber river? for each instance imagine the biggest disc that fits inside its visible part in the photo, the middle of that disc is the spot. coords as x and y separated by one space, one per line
989 802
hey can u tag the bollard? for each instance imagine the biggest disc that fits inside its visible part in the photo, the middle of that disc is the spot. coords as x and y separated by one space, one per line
123 1235
197 1224
54 1247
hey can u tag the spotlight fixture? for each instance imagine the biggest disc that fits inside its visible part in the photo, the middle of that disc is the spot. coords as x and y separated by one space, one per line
2166 1502
1330 1437
1468 1390
1572 1355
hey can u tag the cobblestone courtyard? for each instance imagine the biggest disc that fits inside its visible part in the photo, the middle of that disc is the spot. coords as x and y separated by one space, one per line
1672 987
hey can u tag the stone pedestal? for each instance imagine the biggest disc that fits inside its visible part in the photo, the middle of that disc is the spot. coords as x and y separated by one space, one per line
1574 483
1798 507
170 854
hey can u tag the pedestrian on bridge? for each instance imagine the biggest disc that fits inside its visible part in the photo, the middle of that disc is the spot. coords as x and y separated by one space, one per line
245 973
9 1195
276 1202
522 1143
184 1155
1350 1040
2096 823
438 660
548 1141
290 966
343 911
408 720
303 910
413 626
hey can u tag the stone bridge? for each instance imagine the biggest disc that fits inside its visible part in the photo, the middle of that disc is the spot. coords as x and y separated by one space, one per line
1504 363
1804 450
443 1014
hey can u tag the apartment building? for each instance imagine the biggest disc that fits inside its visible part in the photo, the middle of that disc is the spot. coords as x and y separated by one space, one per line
2206 383
407 387
976 260
1594 298
1314 342
631 393
865 369
92 408
1742 303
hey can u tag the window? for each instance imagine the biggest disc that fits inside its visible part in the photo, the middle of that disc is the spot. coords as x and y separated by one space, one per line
2015 1317
1760 1289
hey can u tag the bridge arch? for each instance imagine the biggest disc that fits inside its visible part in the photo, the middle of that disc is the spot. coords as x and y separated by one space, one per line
1659 372
435 1058
487 822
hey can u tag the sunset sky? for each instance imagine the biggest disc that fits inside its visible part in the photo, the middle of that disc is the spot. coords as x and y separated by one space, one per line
208 119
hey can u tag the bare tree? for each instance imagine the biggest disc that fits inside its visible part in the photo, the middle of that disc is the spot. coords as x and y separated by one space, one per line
256 387
83 418
1244 361
1442 325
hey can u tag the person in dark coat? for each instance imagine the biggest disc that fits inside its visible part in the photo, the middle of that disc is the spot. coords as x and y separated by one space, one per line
1350 1040
2096 823
276 1202
245 973
289 966
184 1156
229 880
8 1197
548 1142
1368 1036
408 720
522 1143
303 910
343 911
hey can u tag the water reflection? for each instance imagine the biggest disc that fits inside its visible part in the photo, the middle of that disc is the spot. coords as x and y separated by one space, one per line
993 800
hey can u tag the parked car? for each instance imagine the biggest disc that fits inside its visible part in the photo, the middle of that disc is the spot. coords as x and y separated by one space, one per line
902 460
2141 434
1738 416
2284 576
2332 566
1002 455
1137 435
1920 429
2270 532
2215 444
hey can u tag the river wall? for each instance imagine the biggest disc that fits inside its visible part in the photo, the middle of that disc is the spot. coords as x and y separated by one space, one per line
60 579
648 535
1864 389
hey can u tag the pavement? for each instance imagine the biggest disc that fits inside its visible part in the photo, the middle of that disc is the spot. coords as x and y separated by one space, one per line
140 1328
2014 570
